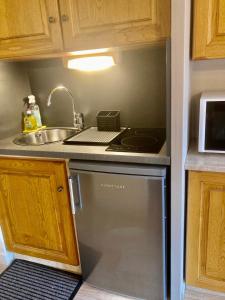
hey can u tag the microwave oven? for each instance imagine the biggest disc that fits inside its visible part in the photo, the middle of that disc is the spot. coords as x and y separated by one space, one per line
212 122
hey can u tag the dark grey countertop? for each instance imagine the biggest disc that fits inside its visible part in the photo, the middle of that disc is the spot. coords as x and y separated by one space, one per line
59 150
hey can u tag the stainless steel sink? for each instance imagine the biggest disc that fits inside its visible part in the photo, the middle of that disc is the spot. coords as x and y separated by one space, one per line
45 136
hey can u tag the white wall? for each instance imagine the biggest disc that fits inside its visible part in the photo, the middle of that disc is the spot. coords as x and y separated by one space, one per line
206 75
179 131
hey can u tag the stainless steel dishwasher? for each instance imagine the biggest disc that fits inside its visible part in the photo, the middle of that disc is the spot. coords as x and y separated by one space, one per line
121 224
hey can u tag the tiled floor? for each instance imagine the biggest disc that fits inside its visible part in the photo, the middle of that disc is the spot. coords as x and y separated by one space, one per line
2 268
87 292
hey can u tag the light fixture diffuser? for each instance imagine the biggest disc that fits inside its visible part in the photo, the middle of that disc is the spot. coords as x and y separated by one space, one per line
90 51
91 63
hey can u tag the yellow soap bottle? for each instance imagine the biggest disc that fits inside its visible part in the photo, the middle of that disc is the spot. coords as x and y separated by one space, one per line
30 123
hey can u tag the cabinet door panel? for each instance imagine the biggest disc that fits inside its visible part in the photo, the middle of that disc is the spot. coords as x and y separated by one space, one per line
106 23
108 13
25 28
37 220
209 29
17 22
206 231
32 220
221 15
215 251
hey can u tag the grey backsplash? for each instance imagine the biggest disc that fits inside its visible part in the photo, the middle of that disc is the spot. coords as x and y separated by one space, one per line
136 86
14 86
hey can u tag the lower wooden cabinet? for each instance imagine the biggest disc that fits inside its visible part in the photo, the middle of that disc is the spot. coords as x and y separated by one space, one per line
205 255
36 217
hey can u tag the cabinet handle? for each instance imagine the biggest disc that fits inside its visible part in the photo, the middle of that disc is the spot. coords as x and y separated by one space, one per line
60 189
64 18
52 19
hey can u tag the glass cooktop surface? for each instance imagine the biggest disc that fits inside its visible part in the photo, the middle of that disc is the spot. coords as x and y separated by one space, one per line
142 140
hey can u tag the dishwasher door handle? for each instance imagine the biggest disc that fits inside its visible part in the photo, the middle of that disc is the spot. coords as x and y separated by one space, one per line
75 193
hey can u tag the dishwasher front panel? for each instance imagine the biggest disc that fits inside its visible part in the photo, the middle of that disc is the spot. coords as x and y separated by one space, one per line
120 222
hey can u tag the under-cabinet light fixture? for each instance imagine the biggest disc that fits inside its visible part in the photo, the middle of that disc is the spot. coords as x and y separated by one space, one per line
91 60
90 51
91 63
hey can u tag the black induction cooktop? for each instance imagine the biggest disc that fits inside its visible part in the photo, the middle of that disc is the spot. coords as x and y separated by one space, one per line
142 140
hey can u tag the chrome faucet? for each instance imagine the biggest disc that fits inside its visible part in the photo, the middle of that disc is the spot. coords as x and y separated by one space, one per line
78 118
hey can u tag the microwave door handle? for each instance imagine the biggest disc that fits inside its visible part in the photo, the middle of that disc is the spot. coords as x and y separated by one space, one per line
75 193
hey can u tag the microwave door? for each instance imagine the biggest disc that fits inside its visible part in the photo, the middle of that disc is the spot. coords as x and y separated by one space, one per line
215 126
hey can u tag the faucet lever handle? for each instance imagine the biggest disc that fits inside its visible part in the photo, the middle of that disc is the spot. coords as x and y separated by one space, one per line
78 121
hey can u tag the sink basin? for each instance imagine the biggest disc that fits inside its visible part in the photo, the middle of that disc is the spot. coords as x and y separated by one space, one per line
45 136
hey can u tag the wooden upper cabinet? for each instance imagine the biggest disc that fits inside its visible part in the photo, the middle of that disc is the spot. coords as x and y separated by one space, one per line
205 255
209 29
36 216
42 28
29 27
105 23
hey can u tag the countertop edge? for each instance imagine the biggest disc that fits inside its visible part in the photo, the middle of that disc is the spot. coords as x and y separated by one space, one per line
81 152
145 159
205 162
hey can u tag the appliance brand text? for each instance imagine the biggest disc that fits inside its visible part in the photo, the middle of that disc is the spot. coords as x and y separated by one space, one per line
112 186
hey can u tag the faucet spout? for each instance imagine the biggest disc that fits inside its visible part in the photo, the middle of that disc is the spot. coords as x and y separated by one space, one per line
78 118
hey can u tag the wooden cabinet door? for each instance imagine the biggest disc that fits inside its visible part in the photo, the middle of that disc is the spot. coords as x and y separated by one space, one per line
209 29
205 256
29 27
89 24
35 209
